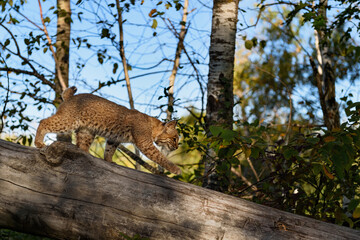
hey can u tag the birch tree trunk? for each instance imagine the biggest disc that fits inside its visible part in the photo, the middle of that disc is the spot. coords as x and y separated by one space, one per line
64 193
220 99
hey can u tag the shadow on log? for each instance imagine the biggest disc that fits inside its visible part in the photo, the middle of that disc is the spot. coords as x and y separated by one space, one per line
64 193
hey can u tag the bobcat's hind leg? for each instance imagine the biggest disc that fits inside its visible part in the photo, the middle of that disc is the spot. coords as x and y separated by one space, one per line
110 149
53 124
84 139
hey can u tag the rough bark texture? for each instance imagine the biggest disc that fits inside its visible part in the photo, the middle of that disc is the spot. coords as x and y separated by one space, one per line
64 193
220 98
325 77
62 54
62 46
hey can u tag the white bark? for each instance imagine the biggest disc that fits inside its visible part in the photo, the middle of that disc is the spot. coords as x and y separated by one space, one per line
220 97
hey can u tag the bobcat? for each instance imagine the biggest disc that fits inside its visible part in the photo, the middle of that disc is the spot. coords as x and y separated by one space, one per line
90 115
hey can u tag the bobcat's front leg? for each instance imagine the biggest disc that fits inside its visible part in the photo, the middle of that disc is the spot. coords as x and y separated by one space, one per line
146 146
53 124
110 149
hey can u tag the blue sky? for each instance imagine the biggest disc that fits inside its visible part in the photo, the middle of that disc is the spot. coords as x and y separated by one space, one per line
143 50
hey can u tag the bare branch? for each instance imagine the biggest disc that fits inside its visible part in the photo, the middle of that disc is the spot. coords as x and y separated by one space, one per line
35 74
179 48
61 79
27 61
122 54
6 99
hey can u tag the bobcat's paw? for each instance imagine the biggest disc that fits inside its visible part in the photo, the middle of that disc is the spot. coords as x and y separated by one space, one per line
40 144
176 170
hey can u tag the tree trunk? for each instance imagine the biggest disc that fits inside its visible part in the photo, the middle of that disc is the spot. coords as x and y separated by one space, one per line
64 193
62 54
62 46
220 98
325 74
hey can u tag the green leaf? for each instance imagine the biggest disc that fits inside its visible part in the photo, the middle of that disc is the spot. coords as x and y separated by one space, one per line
46 20
312 141
353 204
248 44
289 153
228 134
216 130
262 43
255 152
340 160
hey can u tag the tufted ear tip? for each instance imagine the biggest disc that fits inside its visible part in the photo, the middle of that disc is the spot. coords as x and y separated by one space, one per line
171 124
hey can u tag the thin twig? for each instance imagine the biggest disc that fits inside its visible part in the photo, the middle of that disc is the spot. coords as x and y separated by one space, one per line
252 168
6 98
172 28
239 174
179 48
122 54
18 53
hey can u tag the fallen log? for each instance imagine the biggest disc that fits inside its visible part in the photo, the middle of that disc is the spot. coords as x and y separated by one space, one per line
64 193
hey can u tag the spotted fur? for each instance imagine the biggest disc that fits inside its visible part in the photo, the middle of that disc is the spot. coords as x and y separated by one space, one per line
89 115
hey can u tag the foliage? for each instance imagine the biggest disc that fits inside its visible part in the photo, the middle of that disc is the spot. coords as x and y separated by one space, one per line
6 234
317 173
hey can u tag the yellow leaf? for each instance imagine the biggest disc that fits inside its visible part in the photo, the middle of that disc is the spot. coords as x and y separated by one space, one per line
154 25
327 173
336 130
247 151
356 213
329 139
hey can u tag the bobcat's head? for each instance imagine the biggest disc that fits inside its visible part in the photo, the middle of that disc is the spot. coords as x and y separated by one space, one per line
168 139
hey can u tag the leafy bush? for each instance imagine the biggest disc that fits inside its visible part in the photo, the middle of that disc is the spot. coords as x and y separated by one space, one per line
303 170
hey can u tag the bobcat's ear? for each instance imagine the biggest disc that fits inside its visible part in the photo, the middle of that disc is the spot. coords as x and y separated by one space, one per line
171 124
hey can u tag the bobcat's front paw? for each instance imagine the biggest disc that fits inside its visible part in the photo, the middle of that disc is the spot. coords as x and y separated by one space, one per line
176 170
40 144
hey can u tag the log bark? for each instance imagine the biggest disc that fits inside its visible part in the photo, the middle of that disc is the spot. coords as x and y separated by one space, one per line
64 193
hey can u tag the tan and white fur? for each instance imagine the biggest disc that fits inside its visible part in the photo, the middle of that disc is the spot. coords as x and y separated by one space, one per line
89 115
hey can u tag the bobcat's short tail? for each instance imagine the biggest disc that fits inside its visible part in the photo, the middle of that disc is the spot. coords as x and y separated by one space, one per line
68 93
